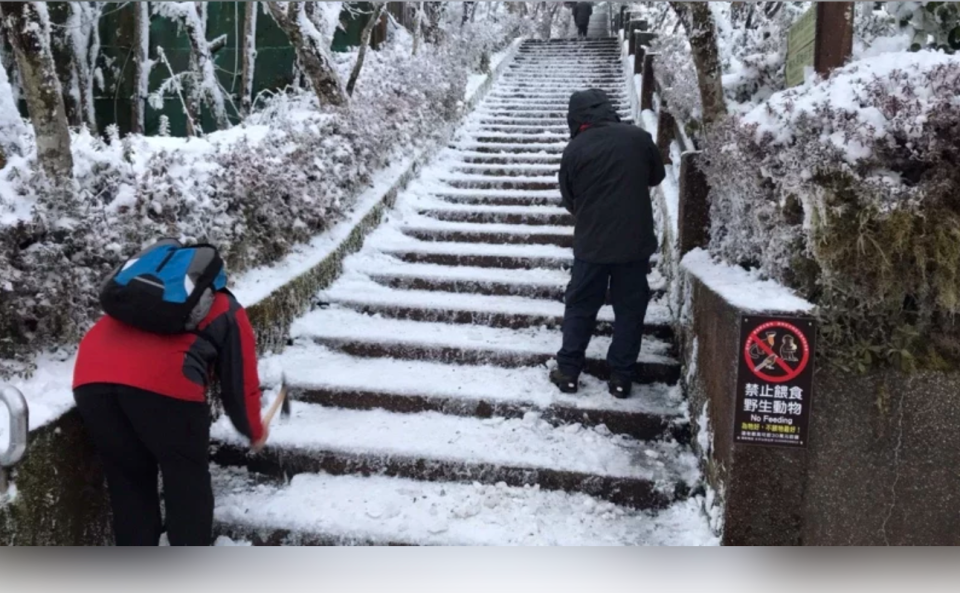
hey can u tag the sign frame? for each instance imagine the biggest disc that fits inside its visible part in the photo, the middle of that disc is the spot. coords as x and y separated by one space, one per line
774 390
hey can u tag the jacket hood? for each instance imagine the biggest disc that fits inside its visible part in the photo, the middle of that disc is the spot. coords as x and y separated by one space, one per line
590 107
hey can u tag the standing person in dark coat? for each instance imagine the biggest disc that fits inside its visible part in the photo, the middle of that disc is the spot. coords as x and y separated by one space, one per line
605 174
581 16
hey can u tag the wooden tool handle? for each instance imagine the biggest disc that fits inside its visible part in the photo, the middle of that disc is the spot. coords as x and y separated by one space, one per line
275 405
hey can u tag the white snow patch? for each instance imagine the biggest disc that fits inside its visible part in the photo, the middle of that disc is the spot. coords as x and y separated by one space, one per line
742 289
529 442
395 510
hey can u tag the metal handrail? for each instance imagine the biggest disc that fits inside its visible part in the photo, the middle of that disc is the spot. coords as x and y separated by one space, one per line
19 426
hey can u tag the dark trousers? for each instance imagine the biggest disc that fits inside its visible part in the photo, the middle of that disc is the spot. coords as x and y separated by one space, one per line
136 433
586 293
582 31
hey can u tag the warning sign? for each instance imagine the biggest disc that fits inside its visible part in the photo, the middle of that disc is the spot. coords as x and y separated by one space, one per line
774 381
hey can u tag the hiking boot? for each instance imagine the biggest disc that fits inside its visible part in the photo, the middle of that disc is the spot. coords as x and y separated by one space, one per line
620 388
564 382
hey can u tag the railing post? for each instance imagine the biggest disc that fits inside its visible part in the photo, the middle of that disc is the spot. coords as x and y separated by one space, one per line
666 132
644 38
19 415
638 60
694 207
646 96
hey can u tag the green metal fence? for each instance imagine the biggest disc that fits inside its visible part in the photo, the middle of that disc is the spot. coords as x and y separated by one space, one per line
274 64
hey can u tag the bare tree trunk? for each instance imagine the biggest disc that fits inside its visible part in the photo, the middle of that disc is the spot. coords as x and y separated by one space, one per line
546 22
141 66
191 17
249 44
702 33
417 25
76 47
312 50
364 43
28 29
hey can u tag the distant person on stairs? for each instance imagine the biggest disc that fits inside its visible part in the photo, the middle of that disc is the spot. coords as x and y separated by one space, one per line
140 384
581 16
605 174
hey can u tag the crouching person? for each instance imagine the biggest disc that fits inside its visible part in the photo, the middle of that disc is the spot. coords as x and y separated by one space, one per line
140 381
605 173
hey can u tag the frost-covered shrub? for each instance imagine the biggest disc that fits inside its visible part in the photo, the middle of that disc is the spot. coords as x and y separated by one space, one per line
847 190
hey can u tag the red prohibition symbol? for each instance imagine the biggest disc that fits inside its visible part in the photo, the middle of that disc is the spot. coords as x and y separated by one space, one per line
771 356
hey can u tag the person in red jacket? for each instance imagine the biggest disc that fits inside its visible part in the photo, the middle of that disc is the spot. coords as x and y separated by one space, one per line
142 399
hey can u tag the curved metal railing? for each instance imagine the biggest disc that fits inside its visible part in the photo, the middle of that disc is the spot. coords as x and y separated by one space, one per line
19 425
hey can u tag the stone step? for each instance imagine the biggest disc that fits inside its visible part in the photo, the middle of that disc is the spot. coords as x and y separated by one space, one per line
319 376
506 148
476 135
364 295
508 170
542 183
494 287
480 158
430 446
528 129
499 238
549 104
552 79
535 283
601 69
517 215
531 113
501 200
357 334
552 120
329 510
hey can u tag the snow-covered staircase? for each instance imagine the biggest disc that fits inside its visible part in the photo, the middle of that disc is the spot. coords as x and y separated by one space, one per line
422 412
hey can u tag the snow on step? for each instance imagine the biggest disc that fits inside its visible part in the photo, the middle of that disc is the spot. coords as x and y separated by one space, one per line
377 263
346 325
380 510
521 443
312 366
358 289
349 509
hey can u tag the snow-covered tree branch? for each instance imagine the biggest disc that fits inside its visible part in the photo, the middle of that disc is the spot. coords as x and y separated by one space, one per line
312 47
191 16
378 10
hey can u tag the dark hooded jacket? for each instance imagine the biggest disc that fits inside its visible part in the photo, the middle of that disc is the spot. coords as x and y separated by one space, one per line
605 176
582 13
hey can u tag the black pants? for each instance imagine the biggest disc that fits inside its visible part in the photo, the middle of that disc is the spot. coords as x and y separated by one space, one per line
586 293
582 31
136 432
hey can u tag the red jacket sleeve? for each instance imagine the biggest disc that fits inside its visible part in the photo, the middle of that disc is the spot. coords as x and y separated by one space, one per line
239 380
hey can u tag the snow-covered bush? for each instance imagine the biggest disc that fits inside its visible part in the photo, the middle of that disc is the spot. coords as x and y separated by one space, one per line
256 191
847 190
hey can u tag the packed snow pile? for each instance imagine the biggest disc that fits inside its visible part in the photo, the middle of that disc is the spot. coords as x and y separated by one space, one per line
256 190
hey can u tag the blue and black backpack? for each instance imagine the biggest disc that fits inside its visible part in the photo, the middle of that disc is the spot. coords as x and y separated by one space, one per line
167 288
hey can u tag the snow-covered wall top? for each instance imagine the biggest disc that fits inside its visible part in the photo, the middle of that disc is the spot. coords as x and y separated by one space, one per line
742 289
